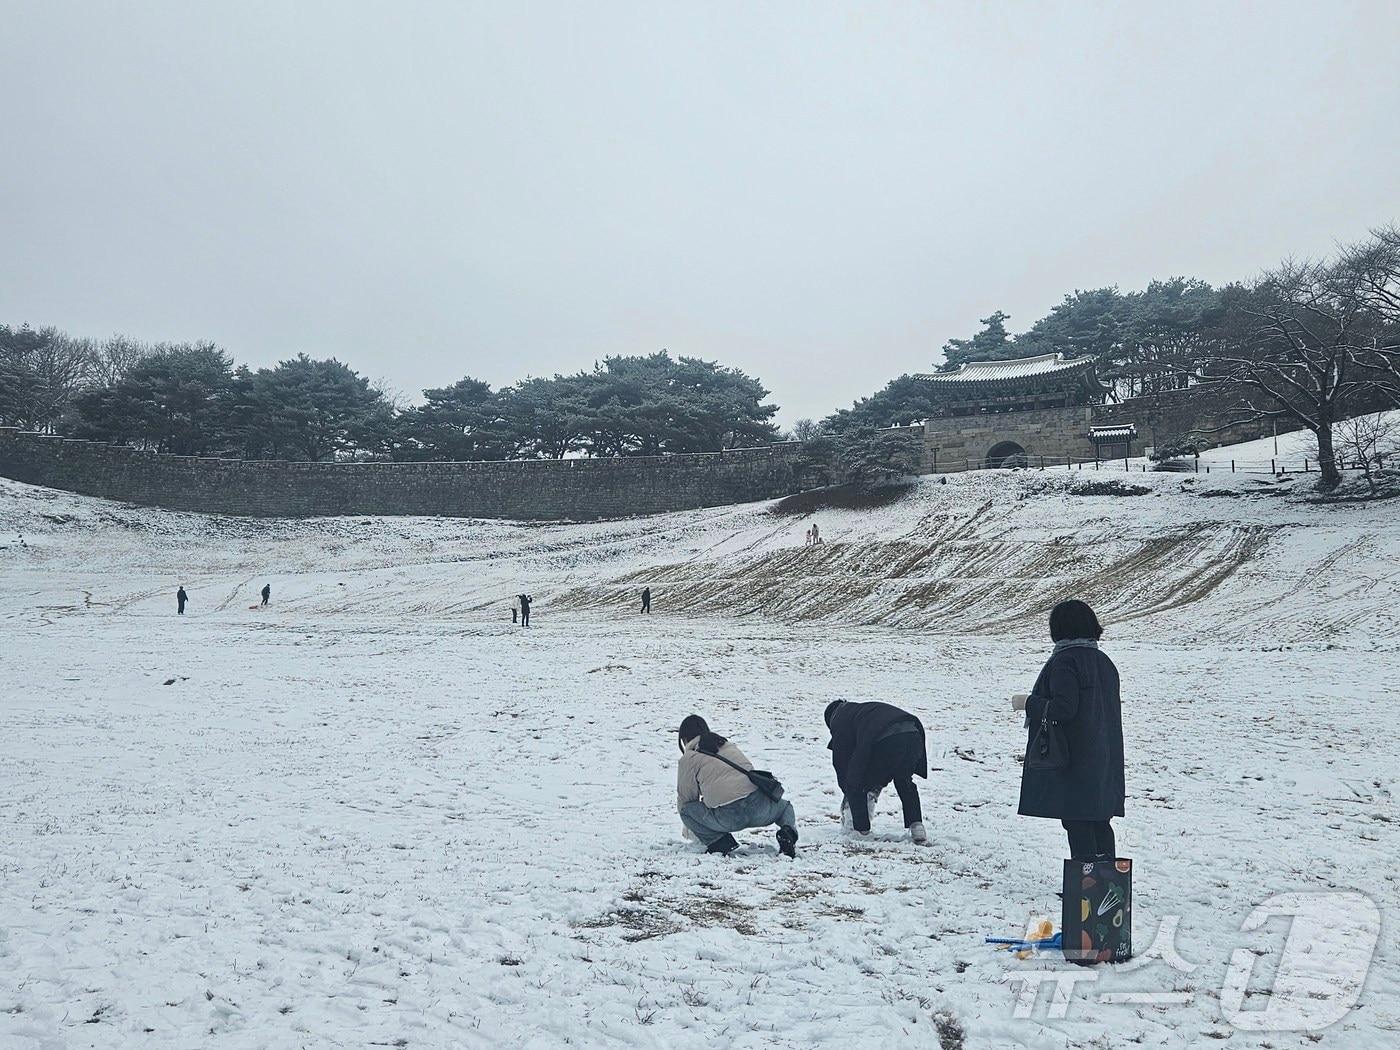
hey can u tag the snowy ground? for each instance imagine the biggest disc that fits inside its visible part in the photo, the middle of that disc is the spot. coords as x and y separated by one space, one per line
375 814
1290 451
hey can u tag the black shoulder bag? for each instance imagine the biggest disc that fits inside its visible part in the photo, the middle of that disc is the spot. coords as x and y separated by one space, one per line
1049 749
759 778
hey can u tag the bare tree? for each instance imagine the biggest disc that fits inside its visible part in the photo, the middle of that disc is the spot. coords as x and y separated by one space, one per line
1365 442
1307 343
40 374
113 358
1376 264
1378 260
61 368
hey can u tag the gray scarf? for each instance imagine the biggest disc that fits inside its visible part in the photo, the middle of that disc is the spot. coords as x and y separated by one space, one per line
1076 643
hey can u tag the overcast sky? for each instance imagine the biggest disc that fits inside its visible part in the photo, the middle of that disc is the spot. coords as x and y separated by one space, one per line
818 194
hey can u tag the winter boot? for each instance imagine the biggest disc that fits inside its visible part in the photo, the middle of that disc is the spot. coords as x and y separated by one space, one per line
787 841
918 834
725 844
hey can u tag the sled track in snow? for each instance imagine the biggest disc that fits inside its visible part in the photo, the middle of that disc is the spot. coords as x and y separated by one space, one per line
954 584
981 555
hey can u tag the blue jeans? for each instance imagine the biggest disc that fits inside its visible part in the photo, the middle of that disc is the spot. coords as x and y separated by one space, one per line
755 810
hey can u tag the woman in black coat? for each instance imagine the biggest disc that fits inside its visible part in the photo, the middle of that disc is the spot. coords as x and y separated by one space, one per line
1078 689
871 745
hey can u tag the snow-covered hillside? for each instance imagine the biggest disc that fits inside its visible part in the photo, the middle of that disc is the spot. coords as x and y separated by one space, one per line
1240 558
375 813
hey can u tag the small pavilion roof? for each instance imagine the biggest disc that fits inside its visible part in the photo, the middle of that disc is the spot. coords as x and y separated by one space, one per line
1112 434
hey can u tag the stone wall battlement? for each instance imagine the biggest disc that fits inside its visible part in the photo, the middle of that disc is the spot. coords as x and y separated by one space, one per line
526 490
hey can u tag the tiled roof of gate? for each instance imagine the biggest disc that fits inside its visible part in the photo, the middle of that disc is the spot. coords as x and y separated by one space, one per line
1020 368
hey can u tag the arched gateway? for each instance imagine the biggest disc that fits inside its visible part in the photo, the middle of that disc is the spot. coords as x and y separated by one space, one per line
1008 455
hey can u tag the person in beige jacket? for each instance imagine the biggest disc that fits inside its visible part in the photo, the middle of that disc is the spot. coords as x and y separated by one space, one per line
715 796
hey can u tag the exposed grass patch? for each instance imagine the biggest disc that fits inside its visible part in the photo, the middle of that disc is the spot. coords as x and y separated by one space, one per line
951 1035
841 497
719 911
1108 488
638 924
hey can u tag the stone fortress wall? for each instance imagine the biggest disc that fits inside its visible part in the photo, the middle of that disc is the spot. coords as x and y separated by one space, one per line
524 490
573 489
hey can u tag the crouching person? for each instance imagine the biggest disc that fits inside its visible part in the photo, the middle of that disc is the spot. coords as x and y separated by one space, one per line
871 745
717 796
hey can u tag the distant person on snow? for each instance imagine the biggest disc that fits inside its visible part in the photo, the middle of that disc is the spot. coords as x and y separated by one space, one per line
808 537
716 797
1077 694
646 599
871 745
816 534
266 593
524 610
180 599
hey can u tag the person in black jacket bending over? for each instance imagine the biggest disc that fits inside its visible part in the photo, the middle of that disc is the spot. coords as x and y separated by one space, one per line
1078 689
871 745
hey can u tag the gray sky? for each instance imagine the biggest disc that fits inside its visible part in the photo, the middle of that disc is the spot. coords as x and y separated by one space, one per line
818 194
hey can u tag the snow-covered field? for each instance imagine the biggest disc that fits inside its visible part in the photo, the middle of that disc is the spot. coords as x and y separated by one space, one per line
1289 450
375 814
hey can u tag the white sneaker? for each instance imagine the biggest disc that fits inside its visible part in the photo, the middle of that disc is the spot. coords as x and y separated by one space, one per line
918 834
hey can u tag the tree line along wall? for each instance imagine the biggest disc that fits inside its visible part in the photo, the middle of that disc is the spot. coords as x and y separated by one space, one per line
582 489
526 490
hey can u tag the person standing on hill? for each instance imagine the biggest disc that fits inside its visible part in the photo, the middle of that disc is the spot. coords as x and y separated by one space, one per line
816 534
871 745
180 599
525 610
1076 695
266 593
646 600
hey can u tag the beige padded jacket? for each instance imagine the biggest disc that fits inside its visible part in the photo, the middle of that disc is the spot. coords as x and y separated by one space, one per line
704 778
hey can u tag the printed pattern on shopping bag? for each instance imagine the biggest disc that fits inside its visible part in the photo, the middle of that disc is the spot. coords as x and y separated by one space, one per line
1098 903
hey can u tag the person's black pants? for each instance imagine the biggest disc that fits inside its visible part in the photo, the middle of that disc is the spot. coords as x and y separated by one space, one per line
1089 839
892 759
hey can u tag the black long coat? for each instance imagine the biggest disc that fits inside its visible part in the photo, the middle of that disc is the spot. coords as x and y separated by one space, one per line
1078 686
854 728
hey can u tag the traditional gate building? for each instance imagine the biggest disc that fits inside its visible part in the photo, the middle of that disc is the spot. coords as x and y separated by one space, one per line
1011 413
1052 409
